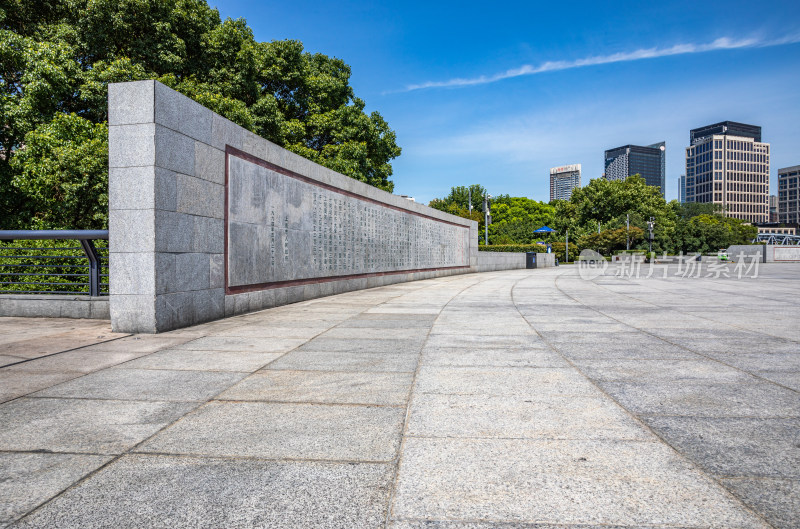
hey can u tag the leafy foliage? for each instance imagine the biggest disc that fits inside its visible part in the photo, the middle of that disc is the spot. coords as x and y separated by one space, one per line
609 241
709 233
57 58
602 216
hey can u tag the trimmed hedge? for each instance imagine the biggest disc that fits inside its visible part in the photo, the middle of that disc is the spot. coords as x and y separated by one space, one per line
513 248
558 249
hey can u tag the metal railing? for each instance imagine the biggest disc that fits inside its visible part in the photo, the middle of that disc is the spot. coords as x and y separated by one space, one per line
53 269
780 239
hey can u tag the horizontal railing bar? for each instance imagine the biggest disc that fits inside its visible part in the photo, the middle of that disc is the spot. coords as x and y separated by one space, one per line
35 274
45 266
40 248
86 235
42 283
58 292
46 256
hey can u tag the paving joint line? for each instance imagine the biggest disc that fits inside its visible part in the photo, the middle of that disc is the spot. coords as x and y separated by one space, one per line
133 448
404 428
636 418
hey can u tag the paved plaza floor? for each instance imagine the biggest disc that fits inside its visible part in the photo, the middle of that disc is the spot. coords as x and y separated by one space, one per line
517 399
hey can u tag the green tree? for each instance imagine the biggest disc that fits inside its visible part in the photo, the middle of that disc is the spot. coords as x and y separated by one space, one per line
604 204
514 220
709 233
609 241
58 56
459 197
63 172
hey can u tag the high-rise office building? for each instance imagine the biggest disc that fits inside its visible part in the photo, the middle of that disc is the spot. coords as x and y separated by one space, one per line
773 208
728 164
563 180
647 161
788 189
682 188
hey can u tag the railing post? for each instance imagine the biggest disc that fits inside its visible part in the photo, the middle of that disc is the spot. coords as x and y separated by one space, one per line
94 267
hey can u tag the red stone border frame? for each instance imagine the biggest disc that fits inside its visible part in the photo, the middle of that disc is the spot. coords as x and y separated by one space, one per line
232 151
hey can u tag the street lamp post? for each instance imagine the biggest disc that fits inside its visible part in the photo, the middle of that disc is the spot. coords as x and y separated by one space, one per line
487 218
650 224
627 232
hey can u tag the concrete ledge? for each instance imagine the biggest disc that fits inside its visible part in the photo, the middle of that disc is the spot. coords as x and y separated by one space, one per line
54 306
493 261
747 252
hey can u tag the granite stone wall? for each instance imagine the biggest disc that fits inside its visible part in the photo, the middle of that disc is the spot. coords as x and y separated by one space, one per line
747 252
494 261
209 220
54 306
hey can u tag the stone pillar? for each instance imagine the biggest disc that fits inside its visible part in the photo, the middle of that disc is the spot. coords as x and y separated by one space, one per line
166 210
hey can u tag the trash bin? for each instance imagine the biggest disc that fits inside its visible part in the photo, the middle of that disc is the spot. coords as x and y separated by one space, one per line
530 259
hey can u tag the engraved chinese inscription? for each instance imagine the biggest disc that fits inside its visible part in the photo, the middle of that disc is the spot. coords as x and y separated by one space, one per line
282 229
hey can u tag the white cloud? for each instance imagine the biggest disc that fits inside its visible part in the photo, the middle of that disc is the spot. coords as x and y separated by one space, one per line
723 43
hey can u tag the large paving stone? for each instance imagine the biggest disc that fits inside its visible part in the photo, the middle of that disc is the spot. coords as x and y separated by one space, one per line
145 384
560 482
756 344
323 387
178 492
660 370
622 351
499 357
327 361
284 331
789 380
735 446
236 343
186 360
529 416
29 479
757 399
278 431
140 343
379 333
467 341
8 360
83 425
777 500
80 336
363 345
17 383
502 381
761 362
80 361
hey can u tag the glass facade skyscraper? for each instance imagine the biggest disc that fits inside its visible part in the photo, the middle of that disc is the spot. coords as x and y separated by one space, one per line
788 190
647 161
682 188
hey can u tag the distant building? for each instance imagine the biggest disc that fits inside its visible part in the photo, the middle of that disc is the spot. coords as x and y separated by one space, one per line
682 188
778 228
563 180
647 161
788 187
773 208
728 164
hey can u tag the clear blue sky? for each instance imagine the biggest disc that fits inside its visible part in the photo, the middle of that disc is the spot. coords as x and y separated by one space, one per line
497 93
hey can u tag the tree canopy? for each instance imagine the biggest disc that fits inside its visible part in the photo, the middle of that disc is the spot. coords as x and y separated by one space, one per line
605 216
58 56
